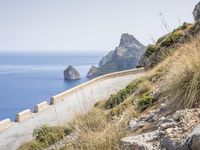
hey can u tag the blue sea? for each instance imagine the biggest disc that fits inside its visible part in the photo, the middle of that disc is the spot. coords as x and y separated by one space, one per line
29 78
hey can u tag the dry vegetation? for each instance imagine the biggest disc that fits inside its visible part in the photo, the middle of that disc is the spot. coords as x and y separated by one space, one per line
183 83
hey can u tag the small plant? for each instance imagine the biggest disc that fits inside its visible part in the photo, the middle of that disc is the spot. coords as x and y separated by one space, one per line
145 101
49 135
172 38
151 49
118 98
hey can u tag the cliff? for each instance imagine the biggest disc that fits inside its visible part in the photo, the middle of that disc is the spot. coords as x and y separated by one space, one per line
124 57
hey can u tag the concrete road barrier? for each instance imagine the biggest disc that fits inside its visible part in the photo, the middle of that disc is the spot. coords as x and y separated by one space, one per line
4 124
41 106
23 115
60 97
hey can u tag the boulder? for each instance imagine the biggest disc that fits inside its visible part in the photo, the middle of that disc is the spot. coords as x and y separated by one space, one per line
194 139
196 12
70 73
140 142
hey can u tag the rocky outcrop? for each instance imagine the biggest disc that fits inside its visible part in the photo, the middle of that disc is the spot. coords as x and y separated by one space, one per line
178 131
70 73
125 56
196 12
94 71
157 52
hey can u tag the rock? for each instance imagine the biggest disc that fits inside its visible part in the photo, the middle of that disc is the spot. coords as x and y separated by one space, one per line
136 124
93 72
151 117
168 125
124 57
163 107
194 139
139 142
133 123
136 146
196 12
167 143
70 73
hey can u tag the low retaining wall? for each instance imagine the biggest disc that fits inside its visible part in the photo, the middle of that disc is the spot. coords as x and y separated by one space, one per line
41 106
4 124
23 115
60 97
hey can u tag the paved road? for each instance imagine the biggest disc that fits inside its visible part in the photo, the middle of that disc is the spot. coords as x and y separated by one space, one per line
62 112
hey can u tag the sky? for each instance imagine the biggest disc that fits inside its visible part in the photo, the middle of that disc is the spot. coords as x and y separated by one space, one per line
86 25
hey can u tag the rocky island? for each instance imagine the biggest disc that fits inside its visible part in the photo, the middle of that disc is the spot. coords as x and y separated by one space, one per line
70 73
124 57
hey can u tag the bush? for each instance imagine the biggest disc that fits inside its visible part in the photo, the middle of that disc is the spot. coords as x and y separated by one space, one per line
118 110
184 26
49 135
145 101
151 49
172 38
118 98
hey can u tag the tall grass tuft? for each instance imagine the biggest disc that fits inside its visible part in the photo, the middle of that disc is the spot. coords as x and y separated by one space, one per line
183 82
96 131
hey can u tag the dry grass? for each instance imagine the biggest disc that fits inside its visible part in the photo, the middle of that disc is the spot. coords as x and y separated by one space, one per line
183 82
97 132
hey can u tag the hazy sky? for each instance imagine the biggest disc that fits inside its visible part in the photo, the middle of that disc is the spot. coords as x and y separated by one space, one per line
85 24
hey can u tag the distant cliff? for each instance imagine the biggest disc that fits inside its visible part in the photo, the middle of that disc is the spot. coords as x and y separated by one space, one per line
125 56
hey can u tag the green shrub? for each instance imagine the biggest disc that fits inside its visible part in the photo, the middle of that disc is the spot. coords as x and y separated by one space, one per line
49 135
171 39
145 101
118 98
184 26
151 49
160 40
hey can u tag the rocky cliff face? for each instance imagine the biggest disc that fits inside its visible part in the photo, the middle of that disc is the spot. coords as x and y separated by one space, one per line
125 56
71 73
196 12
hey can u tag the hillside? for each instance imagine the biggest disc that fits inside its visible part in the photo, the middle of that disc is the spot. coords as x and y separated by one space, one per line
157 111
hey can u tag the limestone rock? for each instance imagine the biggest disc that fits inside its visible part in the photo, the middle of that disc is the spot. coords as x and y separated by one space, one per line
124 57
93 72
194 139
70 73
196 12
140 142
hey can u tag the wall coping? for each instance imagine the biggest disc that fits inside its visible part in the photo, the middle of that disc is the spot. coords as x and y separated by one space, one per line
59 97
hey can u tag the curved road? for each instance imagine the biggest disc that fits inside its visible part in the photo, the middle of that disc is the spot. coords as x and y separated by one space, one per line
60 113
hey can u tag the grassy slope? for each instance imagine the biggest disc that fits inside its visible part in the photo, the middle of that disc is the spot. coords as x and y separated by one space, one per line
177 78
